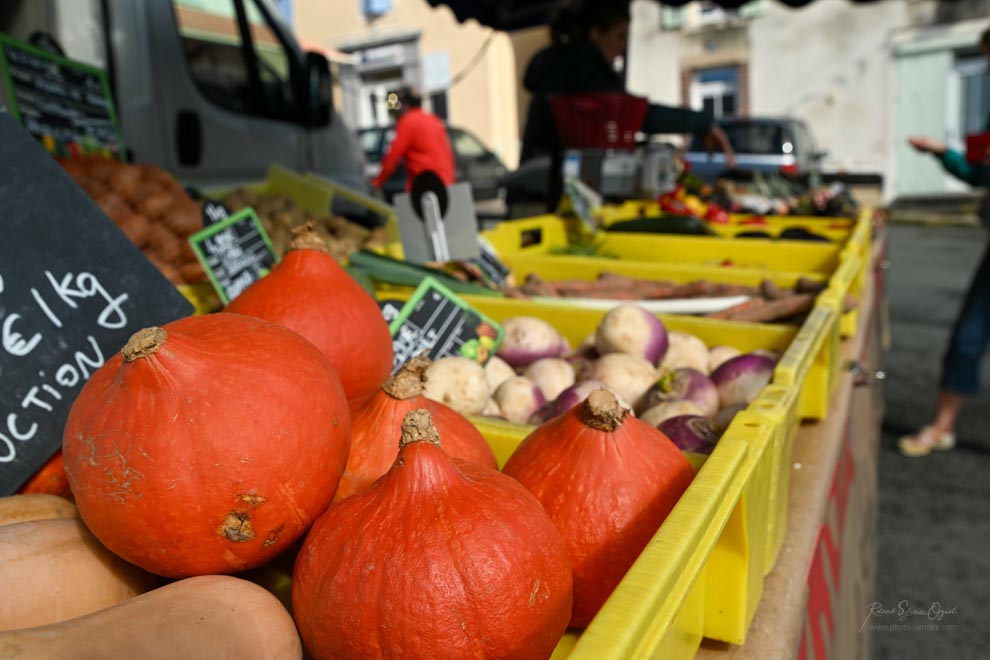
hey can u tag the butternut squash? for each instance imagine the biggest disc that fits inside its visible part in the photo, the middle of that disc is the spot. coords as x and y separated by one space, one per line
210 616
53 570
36 506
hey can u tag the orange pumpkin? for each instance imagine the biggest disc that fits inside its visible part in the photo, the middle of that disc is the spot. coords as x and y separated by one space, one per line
375 426
607 481
50 479
441 558
310 293
208 445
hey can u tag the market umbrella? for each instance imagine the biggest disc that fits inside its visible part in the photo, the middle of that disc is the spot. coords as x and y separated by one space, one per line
509 15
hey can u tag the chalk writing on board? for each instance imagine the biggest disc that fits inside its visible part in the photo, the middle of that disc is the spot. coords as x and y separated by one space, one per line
57 306
65 105
438 322
235 253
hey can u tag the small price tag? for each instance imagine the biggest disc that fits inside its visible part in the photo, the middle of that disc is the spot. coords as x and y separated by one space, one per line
435 320
490 265
235 252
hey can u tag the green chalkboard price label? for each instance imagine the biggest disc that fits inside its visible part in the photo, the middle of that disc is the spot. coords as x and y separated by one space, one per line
73 289
435 320
234 252
65 105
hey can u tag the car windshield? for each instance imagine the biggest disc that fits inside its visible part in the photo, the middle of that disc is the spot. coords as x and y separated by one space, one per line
751 138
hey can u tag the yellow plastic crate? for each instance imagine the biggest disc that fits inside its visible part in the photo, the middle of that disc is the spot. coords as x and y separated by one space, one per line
810 365
847 279
279 180
736 567
837 230
543 234
779 404
203 297
666 602
561 267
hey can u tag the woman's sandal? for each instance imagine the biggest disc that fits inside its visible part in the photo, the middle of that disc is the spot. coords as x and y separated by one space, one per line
925 441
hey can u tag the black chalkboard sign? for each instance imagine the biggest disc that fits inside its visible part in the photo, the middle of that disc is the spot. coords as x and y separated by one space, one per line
73 289
234 252
435 320
65 105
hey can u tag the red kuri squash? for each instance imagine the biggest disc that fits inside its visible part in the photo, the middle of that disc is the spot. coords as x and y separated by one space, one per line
310 293
607 481
441 558
207 445
375 426
50 479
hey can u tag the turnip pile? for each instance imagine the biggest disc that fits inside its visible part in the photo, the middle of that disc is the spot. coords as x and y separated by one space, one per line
670 379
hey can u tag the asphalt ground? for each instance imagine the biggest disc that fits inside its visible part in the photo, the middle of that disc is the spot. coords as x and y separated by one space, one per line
933 530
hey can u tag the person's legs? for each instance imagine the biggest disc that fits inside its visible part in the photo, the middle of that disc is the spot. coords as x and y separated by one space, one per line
960 367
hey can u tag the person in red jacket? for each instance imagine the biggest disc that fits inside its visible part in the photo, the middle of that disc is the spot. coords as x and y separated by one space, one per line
421 140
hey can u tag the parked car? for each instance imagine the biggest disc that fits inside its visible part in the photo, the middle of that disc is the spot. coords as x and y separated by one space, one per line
762 145
475 163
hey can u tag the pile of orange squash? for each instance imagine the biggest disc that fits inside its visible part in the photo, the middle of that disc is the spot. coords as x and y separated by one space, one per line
204 459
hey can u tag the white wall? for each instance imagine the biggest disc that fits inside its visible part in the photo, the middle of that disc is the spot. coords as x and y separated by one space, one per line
653 67
830 63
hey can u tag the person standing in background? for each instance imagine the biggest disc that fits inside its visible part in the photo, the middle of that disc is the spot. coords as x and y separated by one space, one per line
420 140
971 332
587 38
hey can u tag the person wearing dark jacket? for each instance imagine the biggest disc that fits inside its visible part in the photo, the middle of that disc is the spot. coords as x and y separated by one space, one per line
586 41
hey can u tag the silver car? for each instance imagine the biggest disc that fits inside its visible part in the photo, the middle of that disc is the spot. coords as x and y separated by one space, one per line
779 146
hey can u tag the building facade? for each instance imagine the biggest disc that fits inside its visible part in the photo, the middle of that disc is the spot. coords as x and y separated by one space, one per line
864 76
466 72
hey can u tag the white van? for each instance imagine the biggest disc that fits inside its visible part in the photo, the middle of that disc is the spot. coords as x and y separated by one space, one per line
212 90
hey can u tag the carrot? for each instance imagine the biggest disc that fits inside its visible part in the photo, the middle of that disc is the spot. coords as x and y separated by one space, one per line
774 310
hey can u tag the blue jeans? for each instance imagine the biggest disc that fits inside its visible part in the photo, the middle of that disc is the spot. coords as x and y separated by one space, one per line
970 335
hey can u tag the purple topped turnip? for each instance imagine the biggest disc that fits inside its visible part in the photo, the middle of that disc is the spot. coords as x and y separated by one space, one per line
725 415
685 351
632 330
527 339
658 413
569 398
740 379
683 384
691 433
719 354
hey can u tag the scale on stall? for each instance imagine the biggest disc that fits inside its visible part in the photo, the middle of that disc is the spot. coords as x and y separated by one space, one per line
598 134
437 222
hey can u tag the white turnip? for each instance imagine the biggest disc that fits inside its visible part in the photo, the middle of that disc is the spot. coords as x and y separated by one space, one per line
632 330
627 375
497 371
551 375
685 351
655 415
519 399
458 382
527 339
